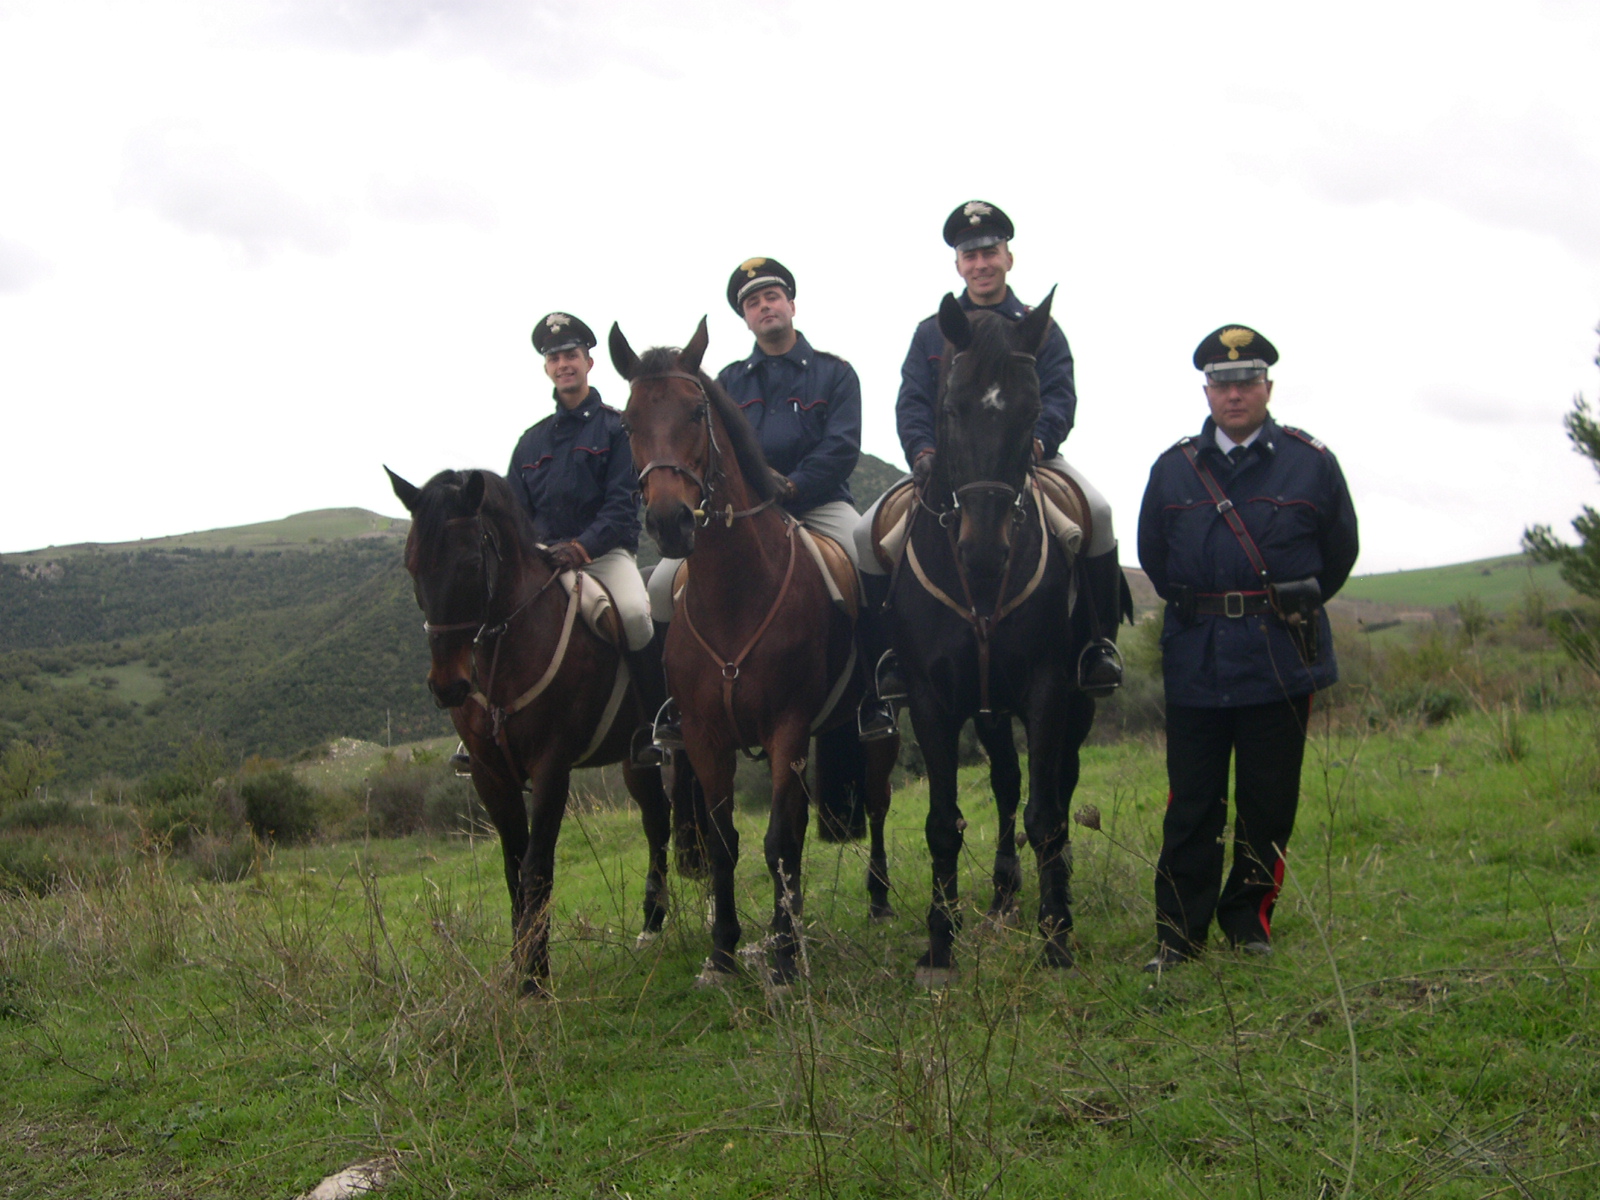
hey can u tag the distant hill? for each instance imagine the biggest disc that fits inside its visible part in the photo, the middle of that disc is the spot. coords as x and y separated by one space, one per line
1497 583
271 637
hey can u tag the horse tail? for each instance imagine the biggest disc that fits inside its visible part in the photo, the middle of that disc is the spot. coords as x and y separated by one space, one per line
841 785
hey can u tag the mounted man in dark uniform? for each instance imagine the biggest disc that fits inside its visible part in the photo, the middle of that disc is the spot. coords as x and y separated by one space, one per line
573 474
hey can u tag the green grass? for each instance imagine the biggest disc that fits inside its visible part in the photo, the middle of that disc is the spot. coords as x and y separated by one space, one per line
135 682
1427 1028
1497 583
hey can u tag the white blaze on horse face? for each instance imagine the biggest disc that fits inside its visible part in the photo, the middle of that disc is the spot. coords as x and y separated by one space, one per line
991 399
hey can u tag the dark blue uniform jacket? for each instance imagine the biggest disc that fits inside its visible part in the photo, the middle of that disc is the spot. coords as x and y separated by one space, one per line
915 410
1292 496
806 409
573 473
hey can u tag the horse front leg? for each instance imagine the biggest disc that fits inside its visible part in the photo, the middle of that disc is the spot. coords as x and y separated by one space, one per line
785 843
644 785
1045 818
938 734
1005 780
503 800
547 781
881 757
690 818
713 766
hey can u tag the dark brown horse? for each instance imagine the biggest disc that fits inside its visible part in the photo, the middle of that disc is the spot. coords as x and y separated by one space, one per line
757 650
532 691
983 622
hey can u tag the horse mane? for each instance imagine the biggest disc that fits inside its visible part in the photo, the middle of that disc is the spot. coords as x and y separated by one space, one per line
440 501
660 360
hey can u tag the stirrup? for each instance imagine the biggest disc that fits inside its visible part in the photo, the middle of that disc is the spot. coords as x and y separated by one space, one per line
875 720
666 731
461 761
1104 688
887 678
643 752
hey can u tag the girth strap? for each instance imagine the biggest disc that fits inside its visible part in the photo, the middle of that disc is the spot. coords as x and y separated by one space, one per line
545 680
730 668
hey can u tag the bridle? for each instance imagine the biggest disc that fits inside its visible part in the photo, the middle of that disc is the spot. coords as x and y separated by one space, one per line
710 470
1014 496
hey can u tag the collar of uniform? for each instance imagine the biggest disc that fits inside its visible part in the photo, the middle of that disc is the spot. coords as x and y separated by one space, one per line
1010 306
590 405
1266 437
800 354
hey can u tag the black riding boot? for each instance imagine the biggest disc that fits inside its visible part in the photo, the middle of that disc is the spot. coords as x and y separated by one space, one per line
875 718
1106 593
651 680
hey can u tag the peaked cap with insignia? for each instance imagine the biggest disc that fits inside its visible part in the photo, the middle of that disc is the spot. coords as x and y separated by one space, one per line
1233 353
562 331
752 275
975 224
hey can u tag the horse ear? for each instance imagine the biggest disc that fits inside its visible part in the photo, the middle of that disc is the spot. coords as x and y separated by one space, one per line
408 492
953 323
1035 327
622 356
691 355
472 492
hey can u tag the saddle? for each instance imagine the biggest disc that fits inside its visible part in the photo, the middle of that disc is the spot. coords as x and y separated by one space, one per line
595 606
838 572
1066 513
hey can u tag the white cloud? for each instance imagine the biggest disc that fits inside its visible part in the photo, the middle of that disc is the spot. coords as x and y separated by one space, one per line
20 267
205 188
425 200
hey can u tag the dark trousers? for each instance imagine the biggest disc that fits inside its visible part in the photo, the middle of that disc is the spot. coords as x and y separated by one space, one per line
1266 743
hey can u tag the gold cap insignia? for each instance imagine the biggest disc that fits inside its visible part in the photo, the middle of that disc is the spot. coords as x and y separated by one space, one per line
1235 340
751 265
556 320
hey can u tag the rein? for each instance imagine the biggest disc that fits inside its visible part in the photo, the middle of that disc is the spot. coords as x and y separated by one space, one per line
712 469
982 624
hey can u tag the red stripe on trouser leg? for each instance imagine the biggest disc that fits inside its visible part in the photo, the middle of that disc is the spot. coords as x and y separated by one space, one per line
1169 797
1271 898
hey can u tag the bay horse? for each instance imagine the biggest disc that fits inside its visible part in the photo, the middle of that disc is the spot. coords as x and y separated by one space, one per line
757 652
532 691
983 627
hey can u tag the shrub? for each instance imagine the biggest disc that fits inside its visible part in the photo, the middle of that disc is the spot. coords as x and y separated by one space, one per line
278 806
65 814
451 804
396 800
224 858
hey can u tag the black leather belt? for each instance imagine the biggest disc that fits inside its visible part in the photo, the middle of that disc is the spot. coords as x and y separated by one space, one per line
1232 604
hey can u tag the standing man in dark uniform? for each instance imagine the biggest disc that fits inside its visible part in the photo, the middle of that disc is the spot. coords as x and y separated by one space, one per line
1246 531
804 405
573 474
980 234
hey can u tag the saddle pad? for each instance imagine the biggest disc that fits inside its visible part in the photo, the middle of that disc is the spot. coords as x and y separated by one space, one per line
891 524
1066 512
596 608
838 572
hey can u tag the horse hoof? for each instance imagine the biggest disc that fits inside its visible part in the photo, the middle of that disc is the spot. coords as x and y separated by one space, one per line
1000 920
535 989
645 938
935 979
710 977
881 914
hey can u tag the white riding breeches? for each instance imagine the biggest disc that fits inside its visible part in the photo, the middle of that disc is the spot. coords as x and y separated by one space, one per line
619 571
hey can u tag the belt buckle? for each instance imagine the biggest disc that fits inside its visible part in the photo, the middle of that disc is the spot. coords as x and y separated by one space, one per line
1232 601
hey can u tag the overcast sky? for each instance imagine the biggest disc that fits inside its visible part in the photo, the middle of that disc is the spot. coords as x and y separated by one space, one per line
251 251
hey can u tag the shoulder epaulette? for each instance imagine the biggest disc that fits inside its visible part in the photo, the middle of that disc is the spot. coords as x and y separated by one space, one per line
839 358
1305 437
609 409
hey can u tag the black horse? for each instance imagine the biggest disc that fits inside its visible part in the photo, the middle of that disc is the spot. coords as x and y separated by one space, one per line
983 625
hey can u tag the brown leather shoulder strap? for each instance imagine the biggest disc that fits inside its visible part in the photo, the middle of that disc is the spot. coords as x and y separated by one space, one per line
1229 513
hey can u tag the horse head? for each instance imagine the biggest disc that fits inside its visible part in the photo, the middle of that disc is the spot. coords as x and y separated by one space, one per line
461 522
679 424
988 408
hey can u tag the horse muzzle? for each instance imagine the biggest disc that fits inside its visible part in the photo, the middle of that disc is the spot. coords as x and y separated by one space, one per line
672 525
450 695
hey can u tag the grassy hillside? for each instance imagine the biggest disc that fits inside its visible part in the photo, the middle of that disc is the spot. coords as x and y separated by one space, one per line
269 637
1496 583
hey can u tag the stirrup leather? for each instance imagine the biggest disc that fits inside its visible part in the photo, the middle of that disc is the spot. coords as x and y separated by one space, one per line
666 734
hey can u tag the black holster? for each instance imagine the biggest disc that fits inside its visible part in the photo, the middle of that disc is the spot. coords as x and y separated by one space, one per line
1298 605
1181 598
